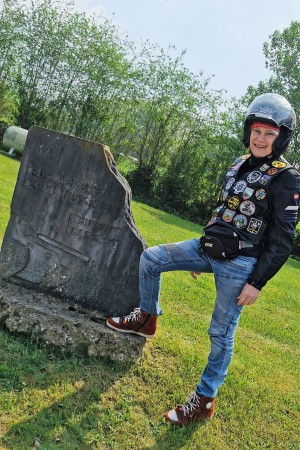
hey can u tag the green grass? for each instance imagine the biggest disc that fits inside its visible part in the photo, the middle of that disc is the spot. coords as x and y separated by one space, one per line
75 403
8 174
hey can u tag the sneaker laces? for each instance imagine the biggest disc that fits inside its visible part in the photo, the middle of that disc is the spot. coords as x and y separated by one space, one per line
133 316
192 404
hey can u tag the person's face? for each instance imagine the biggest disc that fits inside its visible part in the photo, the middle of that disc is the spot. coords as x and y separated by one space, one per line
261 140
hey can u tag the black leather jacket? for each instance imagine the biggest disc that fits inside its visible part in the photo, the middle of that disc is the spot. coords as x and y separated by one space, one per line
276 244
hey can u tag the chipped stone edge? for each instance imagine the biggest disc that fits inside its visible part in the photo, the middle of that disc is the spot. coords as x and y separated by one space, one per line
48 320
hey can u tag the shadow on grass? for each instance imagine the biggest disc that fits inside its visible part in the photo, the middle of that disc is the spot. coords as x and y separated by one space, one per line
175 437
52 399
294 263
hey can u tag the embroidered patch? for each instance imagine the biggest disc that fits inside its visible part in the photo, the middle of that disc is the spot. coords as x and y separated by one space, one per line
247 193
260 194
239 187
247 208
264 179
230 173
212 220
228 215
272 171
240 221
218 209
238 165
278 164
215 214
233 202
229 183
264 167
254 225
253 177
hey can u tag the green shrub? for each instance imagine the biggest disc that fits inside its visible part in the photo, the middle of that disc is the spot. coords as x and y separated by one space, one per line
296 249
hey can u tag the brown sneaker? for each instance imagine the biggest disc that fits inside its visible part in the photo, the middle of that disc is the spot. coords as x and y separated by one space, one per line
137 322
196 408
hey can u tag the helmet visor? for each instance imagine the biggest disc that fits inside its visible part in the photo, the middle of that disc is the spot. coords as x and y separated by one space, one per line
273 107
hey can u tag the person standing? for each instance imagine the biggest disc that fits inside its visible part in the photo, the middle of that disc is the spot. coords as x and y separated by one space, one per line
246 242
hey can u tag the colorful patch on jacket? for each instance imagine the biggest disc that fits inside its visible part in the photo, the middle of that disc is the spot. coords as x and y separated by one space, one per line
247 208
229 183
264 179
253 177
240 187
260 194
228 215
247 193
264 167
233 202
240 221
254 225
272 171
279 164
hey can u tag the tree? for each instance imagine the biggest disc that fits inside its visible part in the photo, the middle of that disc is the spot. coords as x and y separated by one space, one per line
282 54
8 107
75 74
12 20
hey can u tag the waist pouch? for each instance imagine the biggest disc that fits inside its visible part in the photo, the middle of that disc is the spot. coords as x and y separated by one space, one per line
221 243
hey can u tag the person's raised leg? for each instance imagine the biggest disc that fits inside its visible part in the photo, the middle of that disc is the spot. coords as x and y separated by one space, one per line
185 255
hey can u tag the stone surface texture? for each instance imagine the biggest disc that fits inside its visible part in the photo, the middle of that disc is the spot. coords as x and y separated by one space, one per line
71 232
50 321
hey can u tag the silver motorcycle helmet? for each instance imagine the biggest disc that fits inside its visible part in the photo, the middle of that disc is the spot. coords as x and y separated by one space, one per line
272 109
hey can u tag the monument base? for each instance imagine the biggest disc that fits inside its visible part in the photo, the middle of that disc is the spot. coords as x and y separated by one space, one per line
73 329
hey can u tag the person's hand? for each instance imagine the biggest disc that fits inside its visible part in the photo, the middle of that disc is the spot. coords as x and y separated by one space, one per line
248 295
195 274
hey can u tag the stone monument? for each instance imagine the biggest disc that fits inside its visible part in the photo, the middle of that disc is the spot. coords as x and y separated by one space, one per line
71 236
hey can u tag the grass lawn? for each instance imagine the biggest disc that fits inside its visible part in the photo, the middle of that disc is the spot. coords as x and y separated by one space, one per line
54 401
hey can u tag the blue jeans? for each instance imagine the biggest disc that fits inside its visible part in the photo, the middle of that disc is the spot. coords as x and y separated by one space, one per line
230 278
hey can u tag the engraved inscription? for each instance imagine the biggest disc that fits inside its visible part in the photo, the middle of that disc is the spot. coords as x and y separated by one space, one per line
90 224
91 229
37 178
79 232
71 231
76 191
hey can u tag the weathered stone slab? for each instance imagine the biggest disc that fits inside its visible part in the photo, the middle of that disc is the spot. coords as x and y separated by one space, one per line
71 232
55 323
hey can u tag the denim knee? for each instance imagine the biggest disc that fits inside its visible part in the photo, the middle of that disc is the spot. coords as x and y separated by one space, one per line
146 263
152 258
222 329
222 344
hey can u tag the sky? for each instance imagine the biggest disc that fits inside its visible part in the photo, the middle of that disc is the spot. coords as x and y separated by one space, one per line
222 38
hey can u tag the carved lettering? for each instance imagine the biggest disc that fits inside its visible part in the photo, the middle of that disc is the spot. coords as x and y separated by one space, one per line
78 232
71 224
91 224
36 182
60 184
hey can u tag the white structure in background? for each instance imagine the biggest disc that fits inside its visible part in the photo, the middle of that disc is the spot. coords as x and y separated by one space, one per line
14 139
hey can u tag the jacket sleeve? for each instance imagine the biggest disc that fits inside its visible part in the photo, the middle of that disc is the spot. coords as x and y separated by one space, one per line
283 214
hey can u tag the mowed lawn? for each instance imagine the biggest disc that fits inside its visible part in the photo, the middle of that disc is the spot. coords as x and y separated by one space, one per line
49 400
